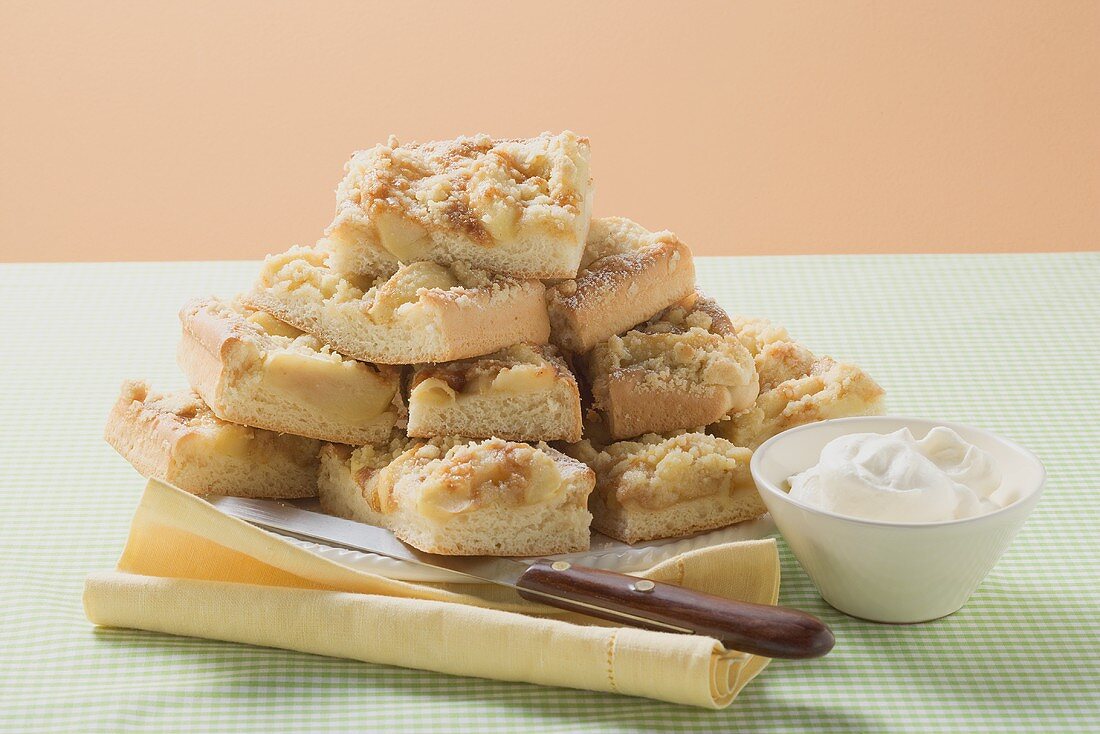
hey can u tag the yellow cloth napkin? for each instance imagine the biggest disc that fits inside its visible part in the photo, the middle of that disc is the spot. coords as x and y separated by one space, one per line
188 569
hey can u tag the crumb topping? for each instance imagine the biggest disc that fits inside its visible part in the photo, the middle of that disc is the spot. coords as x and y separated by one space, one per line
479 188
366 461
183 406
799 388
616 247
618 236
487 473
697 311
756 333
519 362
685 348
657 471
309 268
779 362
448 476
406 285
381 296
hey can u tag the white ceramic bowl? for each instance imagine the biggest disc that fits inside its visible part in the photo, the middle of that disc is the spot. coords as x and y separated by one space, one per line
887 571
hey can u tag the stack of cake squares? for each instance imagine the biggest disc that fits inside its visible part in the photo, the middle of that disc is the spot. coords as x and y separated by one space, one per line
468 358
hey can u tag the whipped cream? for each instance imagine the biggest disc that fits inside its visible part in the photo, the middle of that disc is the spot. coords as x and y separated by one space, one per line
896 478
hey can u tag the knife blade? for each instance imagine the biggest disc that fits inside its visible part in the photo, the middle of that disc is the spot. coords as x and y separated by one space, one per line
760 629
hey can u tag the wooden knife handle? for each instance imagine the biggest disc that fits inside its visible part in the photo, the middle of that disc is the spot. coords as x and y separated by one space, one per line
774 632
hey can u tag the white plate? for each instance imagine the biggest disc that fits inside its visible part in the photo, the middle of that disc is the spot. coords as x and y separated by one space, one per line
605 553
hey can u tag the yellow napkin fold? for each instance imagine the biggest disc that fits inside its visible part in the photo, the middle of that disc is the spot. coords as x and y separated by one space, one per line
189 569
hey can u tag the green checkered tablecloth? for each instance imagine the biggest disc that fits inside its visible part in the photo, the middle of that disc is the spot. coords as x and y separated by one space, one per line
1011 343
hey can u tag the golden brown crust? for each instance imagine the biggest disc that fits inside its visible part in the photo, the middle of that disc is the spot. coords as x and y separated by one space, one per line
217 327
460 497
522 393
699 303
682 368
519 207
628 274
422 313
632 406
209 343
175 437
660 486
253 370
699 515
799 388
148 449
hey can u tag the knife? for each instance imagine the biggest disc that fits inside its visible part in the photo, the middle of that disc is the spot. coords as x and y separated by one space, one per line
760 629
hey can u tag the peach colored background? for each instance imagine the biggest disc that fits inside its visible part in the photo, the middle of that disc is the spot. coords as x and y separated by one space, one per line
216 129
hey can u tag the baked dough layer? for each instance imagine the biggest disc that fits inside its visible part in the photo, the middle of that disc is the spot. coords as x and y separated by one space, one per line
517 207
684 367
665 486
251 368
627 275
459 497
175 437
420 312
522 393
797 387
